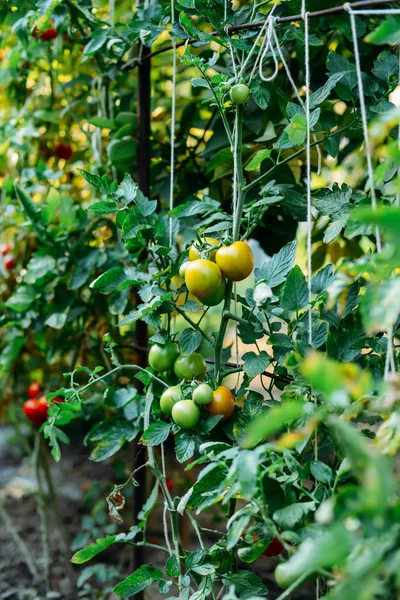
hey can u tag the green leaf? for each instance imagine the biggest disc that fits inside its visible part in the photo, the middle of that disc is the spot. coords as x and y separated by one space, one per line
275 270
257 159
109 281
246 583
388 32
255 364
39 267
157 433
321 471
260 93
320 95
271 422
190 340
386 65
172 567
185 446
102 122
380 305
92 550
289 516
295 295
138 581
22 299
104 184
114 437
99 37
297 130
102 208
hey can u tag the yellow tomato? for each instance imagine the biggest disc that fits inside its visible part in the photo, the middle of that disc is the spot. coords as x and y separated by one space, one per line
202 278
235 261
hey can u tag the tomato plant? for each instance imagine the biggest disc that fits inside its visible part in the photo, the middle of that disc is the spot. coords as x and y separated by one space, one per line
264 368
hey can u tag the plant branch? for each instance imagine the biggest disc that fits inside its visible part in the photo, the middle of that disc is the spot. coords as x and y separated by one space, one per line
192 323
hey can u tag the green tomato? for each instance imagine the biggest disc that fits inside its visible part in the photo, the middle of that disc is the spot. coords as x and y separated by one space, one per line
183 268
169 398
186 414
190 367
203 394
225 87
216 297
239 93
162 358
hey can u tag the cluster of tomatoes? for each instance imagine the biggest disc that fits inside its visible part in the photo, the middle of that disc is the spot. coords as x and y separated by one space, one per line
206 278
36 408
9 260
186 412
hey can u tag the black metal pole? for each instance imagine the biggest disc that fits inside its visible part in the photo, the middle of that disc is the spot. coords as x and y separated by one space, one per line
141 335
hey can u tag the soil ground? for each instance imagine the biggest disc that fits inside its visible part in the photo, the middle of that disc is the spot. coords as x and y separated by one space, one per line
81 487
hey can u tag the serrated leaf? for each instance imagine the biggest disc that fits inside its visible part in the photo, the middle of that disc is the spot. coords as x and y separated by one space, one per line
255 364
93 550
190 341
295 295
275 270
138 581
157 433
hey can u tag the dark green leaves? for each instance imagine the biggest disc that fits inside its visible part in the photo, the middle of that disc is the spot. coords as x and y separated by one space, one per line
190 341
156 434
138 581
276 269
295 295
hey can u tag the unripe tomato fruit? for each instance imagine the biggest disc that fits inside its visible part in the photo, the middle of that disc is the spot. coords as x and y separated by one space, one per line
203 394
9 262
236 261
5 249
190 367
169 398
222 403
36 410
194 253
202 278
285 575
162 358
186 414
34 390
183 269
239 93
217 297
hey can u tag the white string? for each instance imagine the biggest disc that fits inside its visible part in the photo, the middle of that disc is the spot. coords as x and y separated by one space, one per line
173 117
294 88
382 11
235 165
308 168
268 46
166 531
261 32
363 111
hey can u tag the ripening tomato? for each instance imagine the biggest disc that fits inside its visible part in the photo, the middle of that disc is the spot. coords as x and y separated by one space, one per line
169 398
222 403
36 410
217 297
34 390
194 253
239 93
48 34
10 262
236 261
202 278
5 249
162 358
190 367
186 414
63 150
203 394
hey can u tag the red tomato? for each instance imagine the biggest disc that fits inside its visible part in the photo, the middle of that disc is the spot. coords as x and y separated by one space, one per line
48 34
36 410
274 549
34 390
170 484
9 262
5 249
63 150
